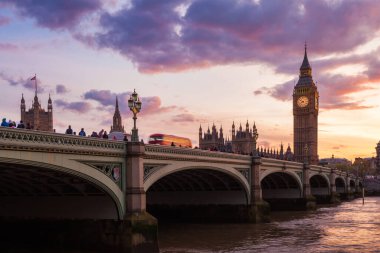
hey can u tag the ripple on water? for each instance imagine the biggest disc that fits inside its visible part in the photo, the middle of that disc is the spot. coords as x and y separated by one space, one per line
349 227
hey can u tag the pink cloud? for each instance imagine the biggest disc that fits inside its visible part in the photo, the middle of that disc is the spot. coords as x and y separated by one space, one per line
150 105
8 47
184 118
4 20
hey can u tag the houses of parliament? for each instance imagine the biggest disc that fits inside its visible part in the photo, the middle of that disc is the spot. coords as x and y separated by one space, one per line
305 127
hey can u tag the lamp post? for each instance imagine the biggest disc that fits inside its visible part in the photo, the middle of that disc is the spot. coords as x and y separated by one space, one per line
134 105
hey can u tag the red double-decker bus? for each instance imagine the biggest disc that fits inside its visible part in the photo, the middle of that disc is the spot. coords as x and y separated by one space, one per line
169 140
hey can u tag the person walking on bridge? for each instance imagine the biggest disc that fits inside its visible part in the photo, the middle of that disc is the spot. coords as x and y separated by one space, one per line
82 132
69 130
4 123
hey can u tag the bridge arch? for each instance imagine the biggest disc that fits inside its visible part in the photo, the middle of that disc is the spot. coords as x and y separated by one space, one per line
168 170
352 185
319 185
57 191
340 185
197 193
281 185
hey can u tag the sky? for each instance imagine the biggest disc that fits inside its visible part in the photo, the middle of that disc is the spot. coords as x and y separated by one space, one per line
197 63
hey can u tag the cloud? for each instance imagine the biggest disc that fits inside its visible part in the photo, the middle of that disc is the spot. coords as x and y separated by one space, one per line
150 105
264 144
55 14
81 107
61 89
8 47
176 35
335 90
281 91
24 82
184 118
4 20
339 147
157 37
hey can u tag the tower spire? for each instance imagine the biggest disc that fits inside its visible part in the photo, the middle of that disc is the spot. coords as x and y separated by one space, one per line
117 121
305 62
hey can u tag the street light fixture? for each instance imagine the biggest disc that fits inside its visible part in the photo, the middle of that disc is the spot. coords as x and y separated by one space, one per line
134 105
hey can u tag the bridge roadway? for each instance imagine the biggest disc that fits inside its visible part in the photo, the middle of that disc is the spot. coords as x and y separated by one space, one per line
50 175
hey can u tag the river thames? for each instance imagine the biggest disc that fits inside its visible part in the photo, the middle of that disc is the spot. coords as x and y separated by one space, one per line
348 227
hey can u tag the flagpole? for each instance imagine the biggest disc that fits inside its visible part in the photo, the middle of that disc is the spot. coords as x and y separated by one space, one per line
35 82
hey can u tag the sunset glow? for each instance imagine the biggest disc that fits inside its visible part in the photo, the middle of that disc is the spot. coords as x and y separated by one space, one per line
197 62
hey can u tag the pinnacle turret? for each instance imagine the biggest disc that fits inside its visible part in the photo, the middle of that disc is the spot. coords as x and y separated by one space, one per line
305 63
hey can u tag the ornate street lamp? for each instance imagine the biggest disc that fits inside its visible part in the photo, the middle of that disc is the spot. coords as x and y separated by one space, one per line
134 105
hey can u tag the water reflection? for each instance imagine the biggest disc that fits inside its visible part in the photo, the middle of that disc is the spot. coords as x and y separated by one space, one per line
349 227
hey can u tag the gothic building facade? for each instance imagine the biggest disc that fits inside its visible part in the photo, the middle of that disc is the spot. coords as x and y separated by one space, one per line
36 117
243 141
117 125
305 113
211 140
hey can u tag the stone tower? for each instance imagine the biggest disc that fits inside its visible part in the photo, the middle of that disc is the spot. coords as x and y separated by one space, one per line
117 123
213 140
305 112
36 117
244 141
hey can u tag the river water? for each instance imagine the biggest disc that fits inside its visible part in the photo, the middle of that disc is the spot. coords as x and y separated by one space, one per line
348 227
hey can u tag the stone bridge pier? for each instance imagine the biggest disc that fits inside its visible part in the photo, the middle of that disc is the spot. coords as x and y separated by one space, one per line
142 224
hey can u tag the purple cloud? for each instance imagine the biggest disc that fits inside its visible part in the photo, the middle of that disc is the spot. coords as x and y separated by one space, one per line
156 37
61 89
24 82
281 92
8 46
55 14
81 107
150 105
4 20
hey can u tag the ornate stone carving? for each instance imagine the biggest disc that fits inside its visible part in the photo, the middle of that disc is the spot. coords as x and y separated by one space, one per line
244 172
112 170
150 168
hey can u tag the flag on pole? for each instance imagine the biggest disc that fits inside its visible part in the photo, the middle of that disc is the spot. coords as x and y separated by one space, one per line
33 78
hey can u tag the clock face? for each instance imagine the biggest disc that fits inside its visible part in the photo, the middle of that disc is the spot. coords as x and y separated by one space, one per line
302 101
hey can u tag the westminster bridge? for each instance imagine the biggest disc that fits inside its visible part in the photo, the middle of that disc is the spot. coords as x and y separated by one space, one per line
56 176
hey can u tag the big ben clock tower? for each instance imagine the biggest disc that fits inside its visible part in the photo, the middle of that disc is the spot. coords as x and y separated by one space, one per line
305 112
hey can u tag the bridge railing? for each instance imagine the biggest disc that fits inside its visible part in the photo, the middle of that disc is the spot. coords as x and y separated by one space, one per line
22 139
169 150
